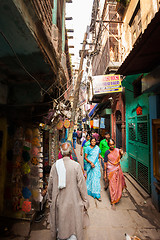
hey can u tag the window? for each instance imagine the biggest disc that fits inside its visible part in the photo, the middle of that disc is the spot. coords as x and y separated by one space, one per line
136 24
156 148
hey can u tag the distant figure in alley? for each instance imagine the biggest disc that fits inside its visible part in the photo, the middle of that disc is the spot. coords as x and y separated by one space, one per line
104 147
85 144
112 169
68 197
74 136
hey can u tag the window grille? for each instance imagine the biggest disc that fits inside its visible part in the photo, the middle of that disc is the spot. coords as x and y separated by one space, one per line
132 166
142 132
132 131
143 175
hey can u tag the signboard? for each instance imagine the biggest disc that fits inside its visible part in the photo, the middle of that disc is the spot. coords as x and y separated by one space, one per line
103 84
102 123
82 95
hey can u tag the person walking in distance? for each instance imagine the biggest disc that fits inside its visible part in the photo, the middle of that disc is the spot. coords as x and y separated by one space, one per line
104 147
85 144
114 172
68 197
95 134
79 136
74 136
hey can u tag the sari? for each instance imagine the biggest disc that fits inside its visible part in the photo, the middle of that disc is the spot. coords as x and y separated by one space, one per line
115 176
87 143
93 174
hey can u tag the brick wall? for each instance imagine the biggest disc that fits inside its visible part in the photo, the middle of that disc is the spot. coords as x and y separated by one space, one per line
43 9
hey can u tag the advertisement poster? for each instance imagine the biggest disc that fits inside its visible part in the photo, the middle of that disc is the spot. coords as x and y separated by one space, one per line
82 95
103 84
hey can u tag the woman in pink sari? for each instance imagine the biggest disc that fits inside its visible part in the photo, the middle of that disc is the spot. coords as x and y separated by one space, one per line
113 171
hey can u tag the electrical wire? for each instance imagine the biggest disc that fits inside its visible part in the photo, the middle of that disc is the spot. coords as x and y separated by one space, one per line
56 86
22 66
64 92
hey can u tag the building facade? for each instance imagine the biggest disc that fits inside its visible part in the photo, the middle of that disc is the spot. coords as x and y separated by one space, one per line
140 70
105 58
34 72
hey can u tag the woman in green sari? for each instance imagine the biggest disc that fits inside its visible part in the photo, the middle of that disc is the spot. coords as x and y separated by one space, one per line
85 144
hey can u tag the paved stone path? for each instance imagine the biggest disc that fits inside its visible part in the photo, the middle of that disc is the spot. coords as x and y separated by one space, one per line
134 215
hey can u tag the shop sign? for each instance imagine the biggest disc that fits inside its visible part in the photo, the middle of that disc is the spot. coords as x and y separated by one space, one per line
82 95
95 123
103 84
66 123
59 125
102 123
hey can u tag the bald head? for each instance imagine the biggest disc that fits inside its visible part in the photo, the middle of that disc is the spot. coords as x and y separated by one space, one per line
65 149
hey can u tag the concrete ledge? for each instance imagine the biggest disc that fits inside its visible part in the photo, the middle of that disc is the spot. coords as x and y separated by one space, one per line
140 190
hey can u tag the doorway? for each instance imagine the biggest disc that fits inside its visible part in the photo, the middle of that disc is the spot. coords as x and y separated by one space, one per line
118 129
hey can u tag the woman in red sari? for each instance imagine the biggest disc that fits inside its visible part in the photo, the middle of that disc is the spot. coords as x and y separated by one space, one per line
113 171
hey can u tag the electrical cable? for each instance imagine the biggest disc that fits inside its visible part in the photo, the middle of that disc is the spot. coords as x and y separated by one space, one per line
45 103
22 66
64 92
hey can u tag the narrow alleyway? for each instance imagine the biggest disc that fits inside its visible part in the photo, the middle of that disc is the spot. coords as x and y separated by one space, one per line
72 69
134 215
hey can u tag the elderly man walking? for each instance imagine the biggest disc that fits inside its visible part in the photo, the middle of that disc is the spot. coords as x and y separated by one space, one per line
68 197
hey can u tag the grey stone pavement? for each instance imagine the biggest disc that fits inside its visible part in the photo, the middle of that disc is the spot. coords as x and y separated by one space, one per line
134 215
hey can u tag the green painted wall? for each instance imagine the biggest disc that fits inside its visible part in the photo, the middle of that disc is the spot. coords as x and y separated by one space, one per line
131 106
54 13
124 163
